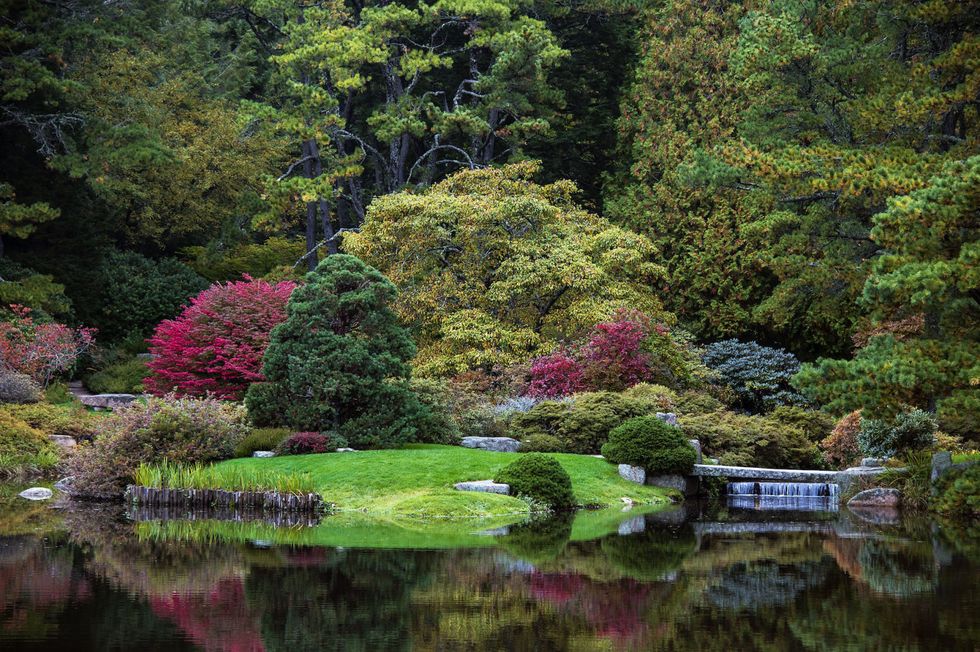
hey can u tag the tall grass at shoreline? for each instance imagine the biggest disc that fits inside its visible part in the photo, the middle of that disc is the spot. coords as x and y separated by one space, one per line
174 476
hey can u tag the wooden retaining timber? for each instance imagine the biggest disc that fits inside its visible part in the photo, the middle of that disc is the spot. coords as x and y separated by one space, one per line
142 513
259 501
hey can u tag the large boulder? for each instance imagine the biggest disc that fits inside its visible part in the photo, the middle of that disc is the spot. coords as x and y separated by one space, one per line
107 401
483 486
877 497
635 474
498 444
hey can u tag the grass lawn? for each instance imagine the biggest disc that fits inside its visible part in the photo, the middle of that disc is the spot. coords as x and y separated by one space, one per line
417 481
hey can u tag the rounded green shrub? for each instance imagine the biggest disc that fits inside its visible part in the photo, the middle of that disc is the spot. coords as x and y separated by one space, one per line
123 377
960 494
652 444
744 440
261 439
909 431
695 402
541 478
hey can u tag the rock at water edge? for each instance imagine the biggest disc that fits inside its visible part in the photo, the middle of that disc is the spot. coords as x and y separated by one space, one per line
497 444
484 486
635 474
36 493
877 497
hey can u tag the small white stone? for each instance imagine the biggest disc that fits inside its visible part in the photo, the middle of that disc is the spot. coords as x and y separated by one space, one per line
36 493
346 450
263 454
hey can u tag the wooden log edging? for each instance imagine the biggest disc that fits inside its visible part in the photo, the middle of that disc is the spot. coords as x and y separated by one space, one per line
143 513
262 501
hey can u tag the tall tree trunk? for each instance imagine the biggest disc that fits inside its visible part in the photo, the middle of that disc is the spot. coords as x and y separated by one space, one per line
311 210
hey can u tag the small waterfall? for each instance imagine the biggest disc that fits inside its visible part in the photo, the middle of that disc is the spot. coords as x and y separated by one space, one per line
791 496
784 489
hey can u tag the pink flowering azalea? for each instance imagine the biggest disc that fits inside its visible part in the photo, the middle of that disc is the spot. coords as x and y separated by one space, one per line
215 346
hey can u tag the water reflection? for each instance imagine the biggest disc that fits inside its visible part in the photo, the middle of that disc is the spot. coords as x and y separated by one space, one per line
681 580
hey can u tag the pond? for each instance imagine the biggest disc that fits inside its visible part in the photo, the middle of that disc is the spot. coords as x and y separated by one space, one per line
695 578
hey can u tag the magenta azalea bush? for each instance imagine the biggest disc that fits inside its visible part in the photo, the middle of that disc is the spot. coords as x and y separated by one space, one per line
182 431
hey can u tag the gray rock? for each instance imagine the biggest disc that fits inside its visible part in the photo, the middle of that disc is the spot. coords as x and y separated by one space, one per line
873 461
632 526
498 444
877 497
36 493
64 484
876 515
635 474
346 450
696 445
668 417
495 532
483 486
108 401
263 454
941 463
63 440
686 485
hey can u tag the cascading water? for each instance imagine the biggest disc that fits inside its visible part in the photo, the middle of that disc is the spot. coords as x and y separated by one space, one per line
797 496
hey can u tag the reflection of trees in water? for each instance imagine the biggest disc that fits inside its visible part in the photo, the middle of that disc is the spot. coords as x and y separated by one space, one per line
538 541
764 584
899 569
355 600
651 554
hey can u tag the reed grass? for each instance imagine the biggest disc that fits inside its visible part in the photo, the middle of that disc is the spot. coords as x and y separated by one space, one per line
167 475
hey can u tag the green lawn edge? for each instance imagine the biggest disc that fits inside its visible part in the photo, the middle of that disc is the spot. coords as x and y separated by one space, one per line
417 481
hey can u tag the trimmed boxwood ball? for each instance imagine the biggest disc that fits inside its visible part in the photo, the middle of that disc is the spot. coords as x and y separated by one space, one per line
541 478
652 444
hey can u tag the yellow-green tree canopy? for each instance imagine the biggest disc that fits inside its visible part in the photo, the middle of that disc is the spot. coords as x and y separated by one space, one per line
495 269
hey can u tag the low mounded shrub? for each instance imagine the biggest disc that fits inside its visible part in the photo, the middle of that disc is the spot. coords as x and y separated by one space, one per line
23 448
694 402
652 444
71 420
816 425
745 440
180 431
439 424
18 388
542 444
840 447
581 422
659 398
540 478
959 495
909 431
307 443
261 439
123 377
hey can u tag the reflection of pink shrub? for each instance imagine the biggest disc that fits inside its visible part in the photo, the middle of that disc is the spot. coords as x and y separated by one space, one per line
215 345
219 621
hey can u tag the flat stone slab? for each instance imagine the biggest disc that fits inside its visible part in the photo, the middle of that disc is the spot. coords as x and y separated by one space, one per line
63 440
263 454
635 474
107 401
877 497
36 493
873 461
497 444
754 473
484 486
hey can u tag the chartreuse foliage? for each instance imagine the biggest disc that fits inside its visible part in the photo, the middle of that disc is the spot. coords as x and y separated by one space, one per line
494 268
931 244
339 362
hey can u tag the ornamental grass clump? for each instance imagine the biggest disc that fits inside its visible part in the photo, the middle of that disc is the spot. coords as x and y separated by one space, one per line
180 431
541 479
648 442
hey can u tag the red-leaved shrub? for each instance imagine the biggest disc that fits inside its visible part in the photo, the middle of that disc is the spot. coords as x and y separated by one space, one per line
215 346
303 443
840 447
558 374
612 358
39 350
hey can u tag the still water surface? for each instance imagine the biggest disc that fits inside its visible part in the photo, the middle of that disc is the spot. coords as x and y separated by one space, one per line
734 578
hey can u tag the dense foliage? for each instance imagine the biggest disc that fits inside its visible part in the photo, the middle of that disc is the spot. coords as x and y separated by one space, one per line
747 440
261 439
215 346
758 374
908 431
305 443
339 362
494 268
18 388
180 431
541 478
959 495
39 350
650 443
580 423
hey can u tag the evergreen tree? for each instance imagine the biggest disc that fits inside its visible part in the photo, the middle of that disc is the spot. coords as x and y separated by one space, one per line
340 361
